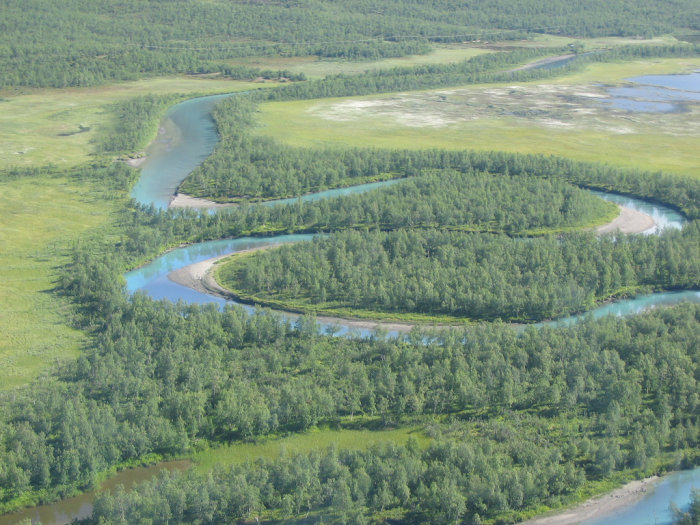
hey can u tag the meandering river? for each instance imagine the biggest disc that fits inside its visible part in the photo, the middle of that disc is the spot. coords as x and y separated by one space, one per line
187 136
152 278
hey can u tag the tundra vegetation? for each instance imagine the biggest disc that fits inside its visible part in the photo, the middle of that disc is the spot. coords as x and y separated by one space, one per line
481 423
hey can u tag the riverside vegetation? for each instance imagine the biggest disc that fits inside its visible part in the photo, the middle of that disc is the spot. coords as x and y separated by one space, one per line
143 352
473 276
598 402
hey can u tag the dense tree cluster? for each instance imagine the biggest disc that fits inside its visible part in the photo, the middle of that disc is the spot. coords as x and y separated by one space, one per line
161 376
474 201
129 130
80 43
479 276
450 482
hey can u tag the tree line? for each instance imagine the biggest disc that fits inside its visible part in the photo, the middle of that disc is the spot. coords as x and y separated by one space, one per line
88 43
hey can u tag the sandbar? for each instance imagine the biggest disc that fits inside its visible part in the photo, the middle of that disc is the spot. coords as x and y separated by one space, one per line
629 221
137 162
199 276
599 506
181 200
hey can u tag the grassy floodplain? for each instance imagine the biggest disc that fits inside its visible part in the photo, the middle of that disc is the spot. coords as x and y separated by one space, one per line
417 120
314 67
60 126
44 215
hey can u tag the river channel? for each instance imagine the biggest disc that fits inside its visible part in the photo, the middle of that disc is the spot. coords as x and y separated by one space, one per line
152 279
187 136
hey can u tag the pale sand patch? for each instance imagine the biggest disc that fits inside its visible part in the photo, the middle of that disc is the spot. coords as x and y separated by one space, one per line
137 163
199 276
543 61
599 506
180 200
592 95
629 221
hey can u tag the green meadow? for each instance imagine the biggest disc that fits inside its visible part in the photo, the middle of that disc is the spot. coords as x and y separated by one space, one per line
315 67
42 216
314 439
60 126
475 118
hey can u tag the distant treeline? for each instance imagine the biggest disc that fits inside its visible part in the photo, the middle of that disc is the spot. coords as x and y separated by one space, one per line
82 43
479 69
477 276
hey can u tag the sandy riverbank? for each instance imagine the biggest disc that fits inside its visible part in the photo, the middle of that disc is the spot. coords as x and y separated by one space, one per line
599 506
180 200
200 277
629 221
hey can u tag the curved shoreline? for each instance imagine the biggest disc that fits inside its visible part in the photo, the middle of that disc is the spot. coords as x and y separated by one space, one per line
200 277
181 200
598 506
628 221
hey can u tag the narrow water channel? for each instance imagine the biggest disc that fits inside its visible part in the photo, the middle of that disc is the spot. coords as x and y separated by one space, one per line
152 279
188 135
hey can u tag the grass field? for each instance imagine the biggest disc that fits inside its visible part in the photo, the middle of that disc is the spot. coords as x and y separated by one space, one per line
313 67
316 439
477 117
41 217
59 126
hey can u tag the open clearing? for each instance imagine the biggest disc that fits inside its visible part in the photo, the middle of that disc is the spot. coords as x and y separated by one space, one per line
315 439
314 67
567 116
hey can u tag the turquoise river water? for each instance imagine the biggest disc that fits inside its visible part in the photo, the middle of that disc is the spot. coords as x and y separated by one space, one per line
187 136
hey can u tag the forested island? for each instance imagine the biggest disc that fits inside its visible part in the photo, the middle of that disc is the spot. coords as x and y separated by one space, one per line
485 420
